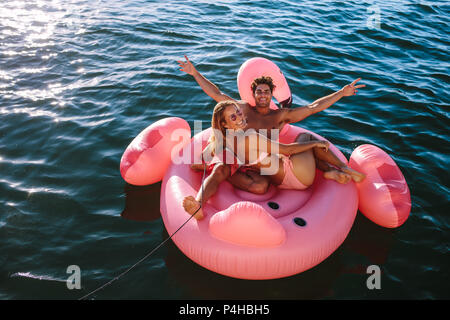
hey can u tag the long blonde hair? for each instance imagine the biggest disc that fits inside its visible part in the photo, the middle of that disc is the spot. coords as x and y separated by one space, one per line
217 124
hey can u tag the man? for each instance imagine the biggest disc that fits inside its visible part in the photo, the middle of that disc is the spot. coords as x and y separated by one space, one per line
261 116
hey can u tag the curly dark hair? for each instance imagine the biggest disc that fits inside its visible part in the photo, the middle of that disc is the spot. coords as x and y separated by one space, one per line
263 80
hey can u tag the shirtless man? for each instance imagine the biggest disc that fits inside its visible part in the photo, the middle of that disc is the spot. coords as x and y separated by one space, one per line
261 116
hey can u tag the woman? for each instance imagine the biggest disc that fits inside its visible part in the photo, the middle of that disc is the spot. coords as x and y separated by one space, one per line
230 147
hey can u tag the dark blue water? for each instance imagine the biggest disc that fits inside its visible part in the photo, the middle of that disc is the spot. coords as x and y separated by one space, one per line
80 79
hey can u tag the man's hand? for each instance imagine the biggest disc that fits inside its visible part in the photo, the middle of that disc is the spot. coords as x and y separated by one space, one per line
207 86
350 89
187 66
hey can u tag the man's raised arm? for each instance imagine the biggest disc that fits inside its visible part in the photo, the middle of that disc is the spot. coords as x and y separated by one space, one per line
210 88
300 113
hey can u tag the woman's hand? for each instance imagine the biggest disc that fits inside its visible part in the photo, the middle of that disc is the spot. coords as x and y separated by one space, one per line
350 89
323 144
187 66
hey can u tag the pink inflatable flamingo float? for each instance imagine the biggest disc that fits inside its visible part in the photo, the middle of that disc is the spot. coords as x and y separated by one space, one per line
274 235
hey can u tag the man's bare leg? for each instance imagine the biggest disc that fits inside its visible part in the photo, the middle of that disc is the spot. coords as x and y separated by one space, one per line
330 157
250 181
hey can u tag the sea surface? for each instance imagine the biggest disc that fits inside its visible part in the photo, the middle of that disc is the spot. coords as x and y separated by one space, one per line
80 79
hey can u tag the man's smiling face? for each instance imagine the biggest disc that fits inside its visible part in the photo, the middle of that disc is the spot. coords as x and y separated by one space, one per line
262 95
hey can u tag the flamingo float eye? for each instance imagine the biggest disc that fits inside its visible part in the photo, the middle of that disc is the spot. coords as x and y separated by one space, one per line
273 205
299 221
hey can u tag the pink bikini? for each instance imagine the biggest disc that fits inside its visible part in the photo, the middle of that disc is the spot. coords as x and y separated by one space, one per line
290 181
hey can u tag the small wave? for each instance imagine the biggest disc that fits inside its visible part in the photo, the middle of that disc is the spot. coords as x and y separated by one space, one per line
30 275
32 190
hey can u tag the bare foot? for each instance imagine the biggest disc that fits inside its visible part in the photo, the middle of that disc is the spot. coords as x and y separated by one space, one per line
356 176
337 176
192 207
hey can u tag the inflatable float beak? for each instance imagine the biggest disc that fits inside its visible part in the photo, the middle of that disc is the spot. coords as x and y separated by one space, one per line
248 224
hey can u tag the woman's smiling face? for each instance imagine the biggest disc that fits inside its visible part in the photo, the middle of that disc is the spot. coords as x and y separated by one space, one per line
234 118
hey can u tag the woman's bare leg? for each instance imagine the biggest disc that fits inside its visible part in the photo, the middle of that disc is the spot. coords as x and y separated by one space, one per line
304 164
327 158
331 173
210 184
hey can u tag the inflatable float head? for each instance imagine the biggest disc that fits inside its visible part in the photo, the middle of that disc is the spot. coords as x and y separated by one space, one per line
257 67
148 156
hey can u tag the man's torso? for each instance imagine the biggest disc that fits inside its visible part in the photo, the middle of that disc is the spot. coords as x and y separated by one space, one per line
257 121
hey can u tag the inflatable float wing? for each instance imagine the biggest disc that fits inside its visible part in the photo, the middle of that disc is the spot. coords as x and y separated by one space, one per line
148 156
384 195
